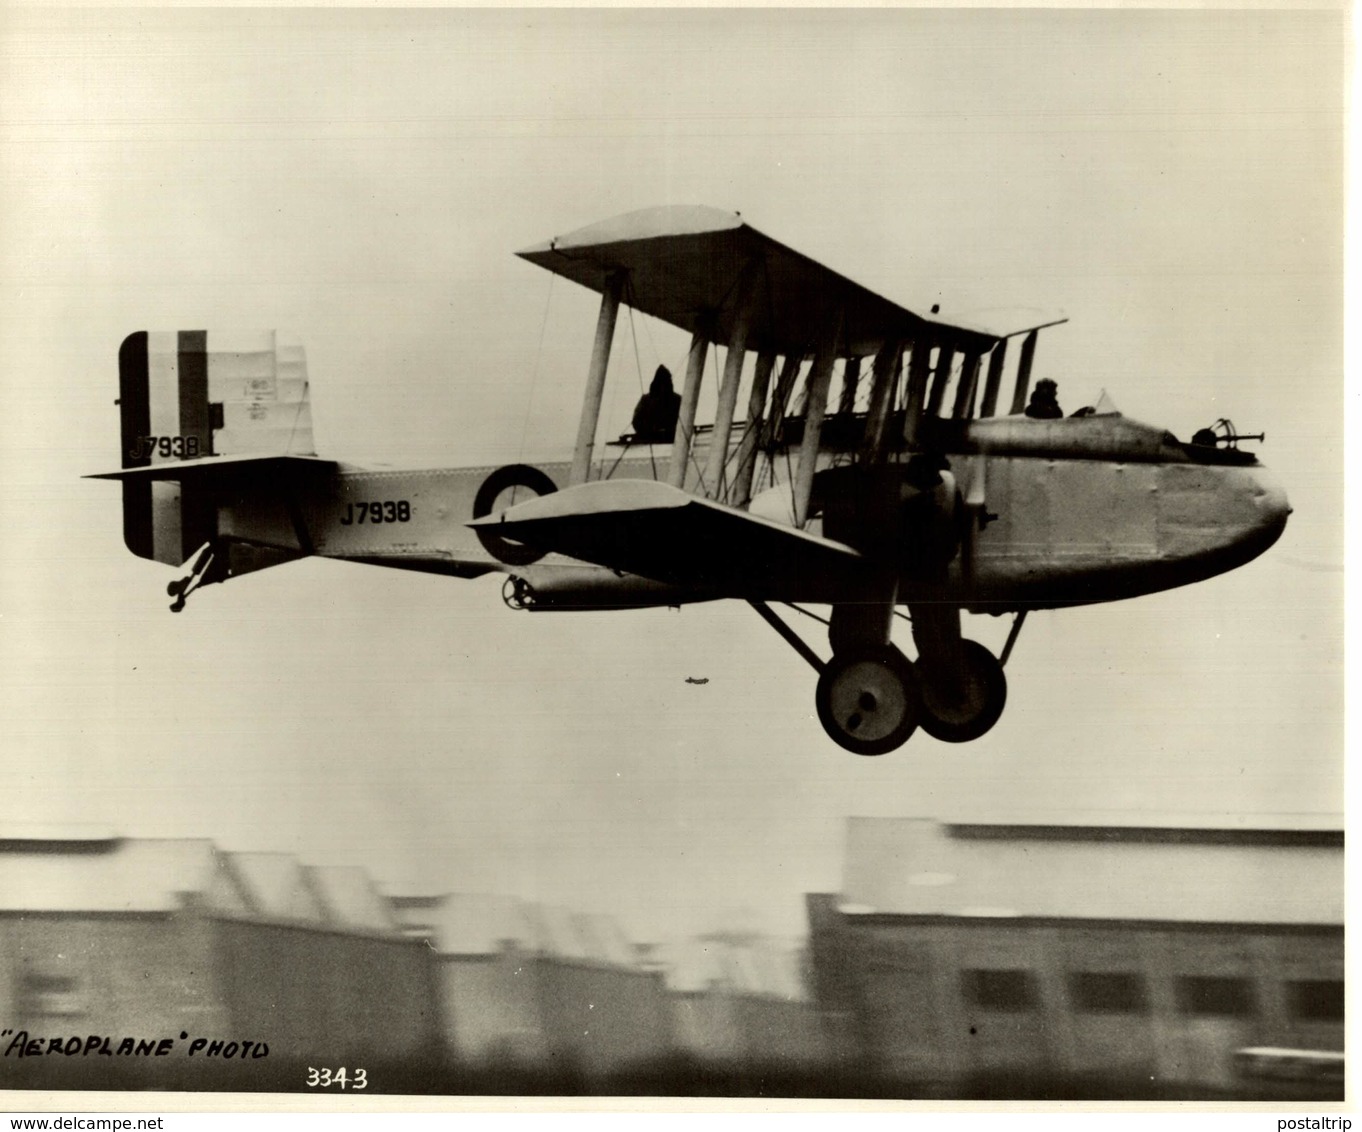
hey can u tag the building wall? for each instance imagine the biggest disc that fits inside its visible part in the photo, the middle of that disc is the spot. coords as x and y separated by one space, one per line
491 1009
310 991
601 1019
705 1025
778 1032
727 1027
9 971
1124 1042
938 999
120 975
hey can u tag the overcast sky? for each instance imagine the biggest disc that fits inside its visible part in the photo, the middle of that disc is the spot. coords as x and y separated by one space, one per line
1173 181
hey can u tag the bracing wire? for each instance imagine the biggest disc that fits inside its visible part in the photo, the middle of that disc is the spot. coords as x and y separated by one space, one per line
534 373
297 416
638 366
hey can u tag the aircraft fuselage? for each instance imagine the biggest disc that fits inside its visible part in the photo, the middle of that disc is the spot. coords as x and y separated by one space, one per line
1052 513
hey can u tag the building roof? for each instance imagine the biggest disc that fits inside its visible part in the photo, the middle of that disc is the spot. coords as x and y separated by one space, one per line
486 924
605 940
555 932
352 899
108 875
760 967
56 831
62 871
467 923
1127 820
1276 872
279 887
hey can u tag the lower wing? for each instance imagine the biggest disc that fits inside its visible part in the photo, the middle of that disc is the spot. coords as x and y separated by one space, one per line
661 532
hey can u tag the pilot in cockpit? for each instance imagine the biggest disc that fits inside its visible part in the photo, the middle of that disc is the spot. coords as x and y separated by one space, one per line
1045 401
655 415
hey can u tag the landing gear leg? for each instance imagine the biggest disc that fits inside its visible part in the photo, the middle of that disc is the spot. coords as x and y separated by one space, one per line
868 698
183 587
1012 634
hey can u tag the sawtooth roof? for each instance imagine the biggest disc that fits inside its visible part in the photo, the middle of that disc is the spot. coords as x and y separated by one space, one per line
486 924
758 967
64 871
116 875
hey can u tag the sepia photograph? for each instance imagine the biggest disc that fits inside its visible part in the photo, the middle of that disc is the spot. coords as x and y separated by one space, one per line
672 553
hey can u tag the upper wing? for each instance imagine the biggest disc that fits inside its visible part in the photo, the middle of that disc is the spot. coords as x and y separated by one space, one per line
683 264
661 532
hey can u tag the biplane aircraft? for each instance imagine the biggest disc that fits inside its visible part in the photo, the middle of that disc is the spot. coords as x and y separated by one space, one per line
922 491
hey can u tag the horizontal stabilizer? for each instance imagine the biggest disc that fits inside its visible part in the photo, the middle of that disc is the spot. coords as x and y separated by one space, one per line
658 531
222 469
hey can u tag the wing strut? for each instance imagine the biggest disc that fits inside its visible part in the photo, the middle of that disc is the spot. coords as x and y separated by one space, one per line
793 639
780 399
964 394
756 422
945 358
820 376
1028 355
728 388
595 380
851 378
995 378
884 380
690 398
918 372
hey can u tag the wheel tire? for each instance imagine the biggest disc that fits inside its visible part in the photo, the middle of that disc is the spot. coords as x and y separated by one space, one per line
503 479
868 700
986 696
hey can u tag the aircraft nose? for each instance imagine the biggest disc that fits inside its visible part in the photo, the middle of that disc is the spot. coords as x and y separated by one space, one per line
1270 499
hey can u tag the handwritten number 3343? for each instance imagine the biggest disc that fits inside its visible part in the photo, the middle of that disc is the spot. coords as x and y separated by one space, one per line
325 1078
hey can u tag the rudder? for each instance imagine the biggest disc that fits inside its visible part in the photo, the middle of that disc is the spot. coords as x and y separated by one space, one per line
191 394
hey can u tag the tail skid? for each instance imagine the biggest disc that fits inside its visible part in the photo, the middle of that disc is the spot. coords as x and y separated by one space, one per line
198 576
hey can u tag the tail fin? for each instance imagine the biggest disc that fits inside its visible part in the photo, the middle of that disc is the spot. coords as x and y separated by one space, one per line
191 394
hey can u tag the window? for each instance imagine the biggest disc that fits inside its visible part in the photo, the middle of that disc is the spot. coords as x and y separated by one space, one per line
1107 992
1315 1000
1215 996
52 995
994 989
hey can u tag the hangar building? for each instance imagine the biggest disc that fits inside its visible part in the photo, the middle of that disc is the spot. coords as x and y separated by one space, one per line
1131 953
741 1000
149 937
539 987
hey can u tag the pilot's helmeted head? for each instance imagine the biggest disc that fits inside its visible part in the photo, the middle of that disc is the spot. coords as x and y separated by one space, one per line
662 381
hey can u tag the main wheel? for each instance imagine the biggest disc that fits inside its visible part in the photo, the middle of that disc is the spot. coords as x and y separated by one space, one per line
517 479
868 700
977 710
